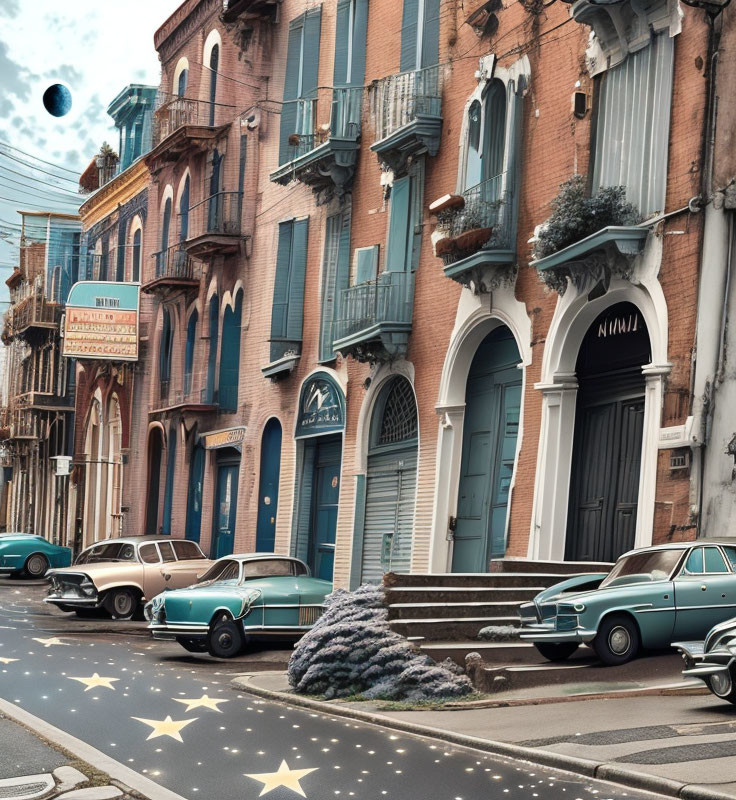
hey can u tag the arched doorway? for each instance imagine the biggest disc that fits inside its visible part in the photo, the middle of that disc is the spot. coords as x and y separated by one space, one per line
268 494
226 502
391 482
607 447
155 450
490 430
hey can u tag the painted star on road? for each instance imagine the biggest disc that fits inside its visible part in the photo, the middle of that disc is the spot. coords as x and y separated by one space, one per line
165 727
201 702
286 777
95 681
52 640
7 660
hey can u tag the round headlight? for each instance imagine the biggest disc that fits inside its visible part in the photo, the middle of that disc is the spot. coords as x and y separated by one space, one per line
579 607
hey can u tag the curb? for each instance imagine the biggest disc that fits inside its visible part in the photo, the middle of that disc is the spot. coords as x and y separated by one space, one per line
601 770
117 771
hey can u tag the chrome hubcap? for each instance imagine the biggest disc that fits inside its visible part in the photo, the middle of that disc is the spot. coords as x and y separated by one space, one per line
35 565
619 641
721 683
225 640
122 604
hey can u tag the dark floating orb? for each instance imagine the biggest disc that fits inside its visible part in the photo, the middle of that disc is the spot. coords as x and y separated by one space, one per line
57 100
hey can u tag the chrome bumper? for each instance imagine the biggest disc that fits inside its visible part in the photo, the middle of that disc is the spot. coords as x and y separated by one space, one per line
82 602
548 633
170 630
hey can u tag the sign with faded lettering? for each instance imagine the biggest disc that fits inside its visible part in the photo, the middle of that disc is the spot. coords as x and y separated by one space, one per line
229 437
101 321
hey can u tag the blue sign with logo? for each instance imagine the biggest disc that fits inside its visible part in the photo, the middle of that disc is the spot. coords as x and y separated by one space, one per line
321 407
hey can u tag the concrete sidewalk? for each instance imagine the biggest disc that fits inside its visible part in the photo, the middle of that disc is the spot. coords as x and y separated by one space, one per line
680 743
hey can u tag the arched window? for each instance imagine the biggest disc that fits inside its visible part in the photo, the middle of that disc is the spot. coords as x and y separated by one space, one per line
189 353
170 472
184 212
194 494
167 341
155 448
181 87
166 224
494 139
395 419
136 267
230 357
473 163
214 62
212 356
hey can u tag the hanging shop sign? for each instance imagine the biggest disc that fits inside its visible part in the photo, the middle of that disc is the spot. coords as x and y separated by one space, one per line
228 437
321 407
101 321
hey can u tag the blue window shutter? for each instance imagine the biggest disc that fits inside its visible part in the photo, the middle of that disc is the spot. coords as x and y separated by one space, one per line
212 355
398 225
120 268
431 34
189 354
329 282
230 357
360 25
181 88
214 64
280 304
310 63
366 268
409 24
184 212
342 40
194 495
416 211
295 314
137 255
165 348
291 89
165 224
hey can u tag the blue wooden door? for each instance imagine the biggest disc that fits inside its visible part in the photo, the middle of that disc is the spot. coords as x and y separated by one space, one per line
226 504
492 408
268 495
324 516
194 495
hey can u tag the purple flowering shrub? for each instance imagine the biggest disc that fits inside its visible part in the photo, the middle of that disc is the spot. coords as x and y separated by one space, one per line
352 651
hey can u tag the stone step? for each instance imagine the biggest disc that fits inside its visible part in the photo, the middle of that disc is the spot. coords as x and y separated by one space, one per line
564 568
461 629
459 594
500 611
490 652
473 579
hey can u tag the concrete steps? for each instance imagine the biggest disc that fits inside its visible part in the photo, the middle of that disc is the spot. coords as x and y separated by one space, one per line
460 594
455 630
494 652
500 611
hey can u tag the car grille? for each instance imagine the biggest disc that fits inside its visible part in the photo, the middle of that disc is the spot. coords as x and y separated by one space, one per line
308 615
567 622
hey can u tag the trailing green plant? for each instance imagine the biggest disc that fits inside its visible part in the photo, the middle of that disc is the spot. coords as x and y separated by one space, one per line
576 215
352 651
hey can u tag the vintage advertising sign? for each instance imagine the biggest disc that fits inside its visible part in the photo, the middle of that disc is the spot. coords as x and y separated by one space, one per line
229 437
101 321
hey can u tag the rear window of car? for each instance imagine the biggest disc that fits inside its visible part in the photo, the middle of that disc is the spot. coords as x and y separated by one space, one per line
694 563
714 562
731 556
148 554
221 571
268 567
186 550
113 551
167 551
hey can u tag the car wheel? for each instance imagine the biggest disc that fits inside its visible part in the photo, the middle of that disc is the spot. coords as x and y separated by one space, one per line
121 603
36 565
722 685
192 645
225 639
556 651
617 640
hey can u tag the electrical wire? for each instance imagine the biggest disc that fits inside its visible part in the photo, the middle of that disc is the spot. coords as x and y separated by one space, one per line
36 158
40 193
38 169
35 180
35 205
38 180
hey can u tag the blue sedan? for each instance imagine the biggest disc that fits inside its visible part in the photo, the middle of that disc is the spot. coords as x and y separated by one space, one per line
30 555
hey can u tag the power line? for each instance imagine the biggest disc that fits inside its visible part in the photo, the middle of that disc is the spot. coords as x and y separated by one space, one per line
35 192
35 205
35 180
36 158
38 169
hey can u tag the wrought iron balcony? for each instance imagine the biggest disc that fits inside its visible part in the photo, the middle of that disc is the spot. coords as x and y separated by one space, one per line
325 160
214 225
479 233
181 124
374 318
24 424
194 398
248 9
174 268
34 312
44 401
408 116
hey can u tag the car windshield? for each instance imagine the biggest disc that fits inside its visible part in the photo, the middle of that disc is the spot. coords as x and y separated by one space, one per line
653 565
114 551
268 567
186 550
226 570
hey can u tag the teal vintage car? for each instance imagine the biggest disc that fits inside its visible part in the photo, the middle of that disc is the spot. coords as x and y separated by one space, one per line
30 555
651 597
239 600
713 660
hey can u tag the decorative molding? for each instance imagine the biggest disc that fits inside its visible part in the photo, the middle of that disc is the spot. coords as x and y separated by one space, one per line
180 26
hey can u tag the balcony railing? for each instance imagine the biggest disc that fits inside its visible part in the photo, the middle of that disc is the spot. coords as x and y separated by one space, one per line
402 99
374 318
215 225
24 424
39 400
173 266
174 111
35 311
195 397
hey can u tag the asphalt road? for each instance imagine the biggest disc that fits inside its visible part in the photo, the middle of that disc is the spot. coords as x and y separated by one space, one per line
175 718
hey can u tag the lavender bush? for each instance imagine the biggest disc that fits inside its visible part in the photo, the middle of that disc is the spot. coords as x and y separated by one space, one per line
352 651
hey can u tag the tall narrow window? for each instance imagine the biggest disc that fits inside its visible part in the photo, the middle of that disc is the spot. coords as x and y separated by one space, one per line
214 312
300 84
120 264
184 212
420 34
166 224
215 204
167 341
214 62
230 357
169 491
287 312
335 277
136 271
181 88
194 495
104 259
189 353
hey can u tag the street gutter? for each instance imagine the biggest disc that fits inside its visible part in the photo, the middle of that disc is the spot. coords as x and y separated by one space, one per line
601 770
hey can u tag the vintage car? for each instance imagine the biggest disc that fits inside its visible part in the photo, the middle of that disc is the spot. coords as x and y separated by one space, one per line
650 598
240 599
118 575
713 660
30 555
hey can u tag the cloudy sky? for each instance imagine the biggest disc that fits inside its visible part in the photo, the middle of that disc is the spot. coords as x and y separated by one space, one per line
94 48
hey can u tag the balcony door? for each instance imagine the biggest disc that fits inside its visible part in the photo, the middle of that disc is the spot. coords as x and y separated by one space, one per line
226 503
268 492
490 430
325 494
420 34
